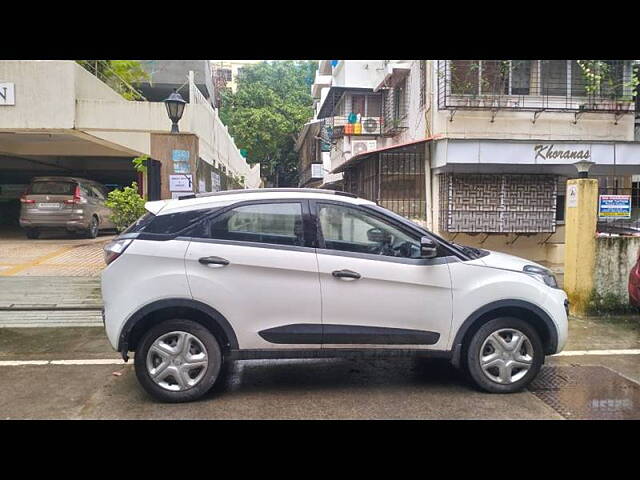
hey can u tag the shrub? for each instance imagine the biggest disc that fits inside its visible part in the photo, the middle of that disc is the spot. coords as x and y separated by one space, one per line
127 206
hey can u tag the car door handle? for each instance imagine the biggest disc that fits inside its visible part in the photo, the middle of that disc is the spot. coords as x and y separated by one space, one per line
346 274
213 261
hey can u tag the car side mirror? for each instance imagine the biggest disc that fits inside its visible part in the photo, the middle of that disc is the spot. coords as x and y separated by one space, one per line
428 248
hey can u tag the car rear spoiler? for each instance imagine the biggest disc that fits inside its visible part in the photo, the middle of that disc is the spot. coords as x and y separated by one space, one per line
155 207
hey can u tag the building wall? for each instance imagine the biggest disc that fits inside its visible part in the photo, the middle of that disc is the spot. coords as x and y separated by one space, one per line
514 125
42 101
615 257
62 96
358 73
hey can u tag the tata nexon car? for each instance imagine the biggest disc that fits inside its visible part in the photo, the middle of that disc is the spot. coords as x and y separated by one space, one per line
290 273
70 203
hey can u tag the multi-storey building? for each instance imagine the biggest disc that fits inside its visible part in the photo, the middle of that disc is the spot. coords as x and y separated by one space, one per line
480 150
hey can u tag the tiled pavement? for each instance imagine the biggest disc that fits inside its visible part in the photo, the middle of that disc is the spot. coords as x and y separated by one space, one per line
61 255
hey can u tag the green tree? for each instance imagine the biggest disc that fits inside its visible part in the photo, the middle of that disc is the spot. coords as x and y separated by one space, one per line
267 111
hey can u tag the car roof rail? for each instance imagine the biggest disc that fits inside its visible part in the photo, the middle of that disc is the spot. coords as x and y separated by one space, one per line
266 190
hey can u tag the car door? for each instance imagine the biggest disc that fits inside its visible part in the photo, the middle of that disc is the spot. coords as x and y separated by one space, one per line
376 290
254 263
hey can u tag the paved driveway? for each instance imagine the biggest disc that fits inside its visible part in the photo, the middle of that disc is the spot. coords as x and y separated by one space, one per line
54 254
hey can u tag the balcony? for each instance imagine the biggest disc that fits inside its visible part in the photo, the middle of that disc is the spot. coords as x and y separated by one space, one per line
577 86
339 126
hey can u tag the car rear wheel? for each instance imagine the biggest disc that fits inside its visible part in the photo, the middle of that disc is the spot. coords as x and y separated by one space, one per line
33 233
92 231
504 355
178 361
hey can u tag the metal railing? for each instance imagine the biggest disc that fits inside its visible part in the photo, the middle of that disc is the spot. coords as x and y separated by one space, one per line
102 70
395 180
537 85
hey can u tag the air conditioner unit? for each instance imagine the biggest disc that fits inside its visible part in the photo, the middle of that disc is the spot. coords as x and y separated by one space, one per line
370 125
362 146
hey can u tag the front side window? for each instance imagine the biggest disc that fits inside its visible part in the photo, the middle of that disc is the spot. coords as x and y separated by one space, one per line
352 230
274 223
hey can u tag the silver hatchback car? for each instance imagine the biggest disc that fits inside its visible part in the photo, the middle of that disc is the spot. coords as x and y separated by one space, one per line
75 204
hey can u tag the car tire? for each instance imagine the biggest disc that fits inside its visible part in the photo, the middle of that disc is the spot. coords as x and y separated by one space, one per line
94 228
160 346
33 233
498 361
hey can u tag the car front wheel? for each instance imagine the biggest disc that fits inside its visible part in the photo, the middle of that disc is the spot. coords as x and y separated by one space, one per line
504 355
178 361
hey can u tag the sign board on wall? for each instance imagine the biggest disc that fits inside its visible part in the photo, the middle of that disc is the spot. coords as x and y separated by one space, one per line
572 196
7 94
181 183
460 151
614 206
181 161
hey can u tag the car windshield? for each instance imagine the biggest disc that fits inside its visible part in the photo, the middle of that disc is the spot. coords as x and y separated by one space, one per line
52 188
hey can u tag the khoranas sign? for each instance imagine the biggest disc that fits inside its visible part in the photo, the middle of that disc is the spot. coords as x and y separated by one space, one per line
550 152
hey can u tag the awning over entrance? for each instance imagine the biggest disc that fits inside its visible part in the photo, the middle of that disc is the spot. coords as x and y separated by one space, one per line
353 161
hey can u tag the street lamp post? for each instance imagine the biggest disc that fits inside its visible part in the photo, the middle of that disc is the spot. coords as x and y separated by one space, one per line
175 108
583 167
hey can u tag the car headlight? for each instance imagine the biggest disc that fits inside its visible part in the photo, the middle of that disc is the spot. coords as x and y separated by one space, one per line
542 274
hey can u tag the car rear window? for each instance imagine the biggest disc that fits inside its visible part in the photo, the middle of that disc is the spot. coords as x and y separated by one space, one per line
52 188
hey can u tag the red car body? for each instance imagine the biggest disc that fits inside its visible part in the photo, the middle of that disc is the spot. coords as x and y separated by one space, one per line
634 284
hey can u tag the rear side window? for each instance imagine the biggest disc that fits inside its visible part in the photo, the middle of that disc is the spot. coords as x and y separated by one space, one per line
273 223
169 224
52 188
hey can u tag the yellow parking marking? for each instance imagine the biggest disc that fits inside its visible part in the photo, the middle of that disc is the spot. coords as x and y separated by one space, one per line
23 266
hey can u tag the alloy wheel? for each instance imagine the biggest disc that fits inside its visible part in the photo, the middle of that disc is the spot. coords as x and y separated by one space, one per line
506 356
177 361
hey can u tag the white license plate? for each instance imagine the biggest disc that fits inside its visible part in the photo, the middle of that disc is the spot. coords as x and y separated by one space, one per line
48 205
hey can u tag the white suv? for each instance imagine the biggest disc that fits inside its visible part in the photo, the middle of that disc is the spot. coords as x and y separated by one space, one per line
296 273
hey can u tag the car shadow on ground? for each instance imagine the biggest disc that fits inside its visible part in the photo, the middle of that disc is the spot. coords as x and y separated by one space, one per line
327 374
